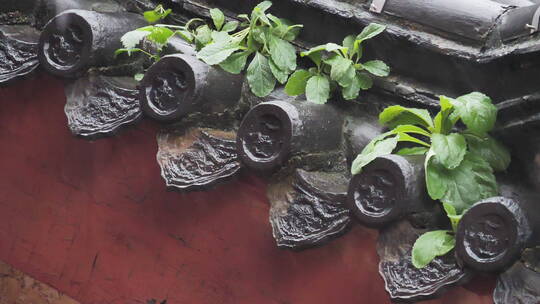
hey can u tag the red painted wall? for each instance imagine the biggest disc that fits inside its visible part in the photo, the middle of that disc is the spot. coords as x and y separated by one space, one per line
94 220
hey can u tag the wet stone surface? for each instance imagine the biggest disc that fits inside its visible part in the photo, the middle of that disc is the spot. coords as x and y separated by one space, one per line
18 51
376 193
100 105
168 88
266 139
488 237
405 282
518 285
531 258
198 158
308 209
65 46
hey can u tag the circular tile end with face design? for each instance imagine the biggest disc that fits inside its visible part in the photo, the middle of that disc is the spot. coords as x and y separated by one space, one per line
65 45
491 234
167 91
265 134
378 195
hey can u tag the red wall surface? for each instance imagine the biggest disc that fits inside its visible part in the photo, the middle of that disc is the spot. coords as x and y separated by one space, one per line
94 220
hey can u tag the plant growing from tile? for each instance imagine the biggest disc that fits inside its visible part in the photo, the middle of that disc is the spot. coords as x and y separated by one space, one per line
459 165
195 31
265 41
261 38
338 66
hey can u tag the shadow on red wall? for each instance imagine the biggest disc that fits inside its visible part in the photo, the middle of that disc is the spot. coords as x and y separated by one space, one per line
95 220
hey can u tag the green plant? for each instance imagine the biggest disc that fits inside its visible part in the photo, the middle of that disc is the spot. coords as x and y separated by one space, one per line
157 34
195 31
338 66
459 165
262 38
265 40
157 14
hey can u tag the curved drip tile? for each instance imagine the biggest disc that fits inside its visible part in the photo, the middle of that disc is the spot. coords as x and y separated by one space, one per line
531 258
308 209
18 51
99 105
518 284
197 158
403 281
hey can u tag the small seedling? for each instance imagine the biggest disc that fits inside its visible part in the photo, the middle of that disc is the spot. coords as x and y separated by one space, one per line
338 64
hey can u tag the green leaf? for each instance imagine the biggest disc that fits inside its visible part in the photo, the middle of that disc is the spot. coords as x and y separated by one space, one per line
138 76
258 12
217 17
203 34
357 49
260 77
220 37
476 111
316 58
260 34
159 35
277 21
318 89
217 52
377 147
348 42
263 6
230 26
280 75
193 21
151 16
398 115
283 28
442 123
370 31
353 90
129 51
449 149
259 16
283 53
235 63
406 137
329 47
297 83
413 151
186 35
412 129
292 32
449 209
452 215
490 150
470 182
157 14
131 39
339 68
377 68
431 245
365 81
435 183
